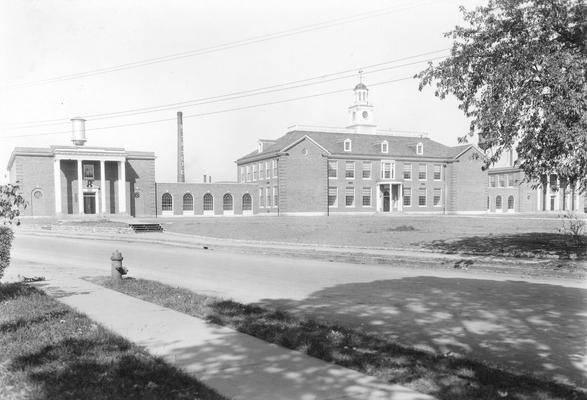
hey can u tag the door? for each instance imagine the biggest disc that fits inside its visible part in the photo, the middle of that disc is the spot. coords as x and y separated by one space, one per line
386 201
89 203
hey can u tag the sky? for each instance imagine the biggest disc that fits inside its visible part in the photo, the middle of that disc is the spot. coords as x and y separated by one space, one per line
97 58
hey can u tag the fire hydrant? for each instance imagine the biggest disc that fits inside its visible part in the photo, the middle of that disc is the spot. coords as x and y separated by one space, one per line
117 269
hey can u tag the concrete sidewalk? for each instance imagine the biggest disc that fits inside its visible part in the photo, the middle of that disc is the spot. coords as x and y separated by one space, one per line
236 365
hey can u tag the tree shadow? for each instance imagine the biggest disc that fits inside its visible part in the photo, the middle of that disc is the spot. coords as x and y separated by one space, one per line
527 328
530 244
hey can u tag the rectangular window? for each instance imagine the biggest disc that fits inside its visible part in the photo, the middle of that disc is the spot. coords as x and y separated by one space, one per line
366 197
501 180
332 169
367 169
437 172
349 169
269 198
436 197
275 197
407 197
267 170
408 171
422 197
255 172
88 171
492 181
261 171
275 168
332 196
249 177
387 170
261 198
243 175
349 197
422 172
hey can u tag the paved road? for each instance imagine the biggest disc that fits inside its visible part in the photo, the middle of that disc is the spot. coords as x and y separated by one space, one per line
527 325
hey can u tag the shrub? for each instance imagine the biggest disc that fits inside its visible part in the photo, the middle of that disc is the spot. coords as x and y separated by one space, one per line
6 236
573 226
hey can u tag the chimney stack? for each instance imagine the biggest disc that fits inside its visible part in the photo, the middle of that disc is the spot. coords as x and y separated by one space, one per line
204 178
78 131
180 161
210 179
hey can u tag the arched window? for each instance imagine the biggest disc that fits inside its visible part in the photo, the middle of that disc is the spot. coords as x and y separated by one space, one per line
166 202
227 202
188 202
498 202
511 203
208 202
385 147
247 202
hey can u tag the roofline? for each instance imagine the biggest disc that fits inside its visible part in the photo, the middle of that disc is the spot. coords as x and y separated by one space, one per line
474 148
289 146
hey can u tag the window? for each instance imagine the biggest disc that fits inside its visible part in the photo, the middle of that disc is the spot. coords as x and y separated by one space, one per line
492 181
347 145
255 175
269 201
243 175
422 172
166 202
511 180
349 169
38 194
436 197
407 171
488 202
387 170
188 202
407 197
437 172
498 202
247 202
419 149
422 197
227 202
349 197
261 171
88 171
267 170
366 169
332 196
249 177
501 180
511 203
208 202
366 197
385 147
261 197
332 169
275 197
275 168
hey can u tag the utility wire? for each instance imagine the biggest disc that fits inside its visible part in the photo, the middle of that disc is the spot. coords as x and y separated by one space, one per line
216 48
235 95
210 112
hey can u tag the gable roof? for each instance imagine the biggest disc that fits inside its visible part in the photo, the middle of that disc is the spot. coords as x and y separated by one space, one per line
362 145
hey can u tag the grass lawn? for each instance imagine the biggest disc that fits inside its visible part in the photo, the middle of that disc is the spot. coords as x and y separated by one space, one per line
445 377
49 351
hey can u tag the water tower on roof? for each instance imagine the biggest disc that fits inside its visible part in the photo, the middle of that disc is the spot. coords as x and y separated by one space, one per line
78 131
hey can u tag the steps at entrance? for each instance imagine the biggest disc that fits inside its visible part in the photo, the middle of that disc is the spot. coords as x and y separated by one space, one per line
146 227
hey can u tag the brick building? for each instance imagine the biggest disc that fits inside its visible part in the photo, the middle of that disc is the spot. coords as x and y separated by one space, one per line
80 180
361 170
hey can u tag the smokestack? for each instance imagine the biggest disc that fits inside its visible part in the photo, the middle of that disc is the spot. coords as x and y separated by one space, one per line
180 162
78 131
204 178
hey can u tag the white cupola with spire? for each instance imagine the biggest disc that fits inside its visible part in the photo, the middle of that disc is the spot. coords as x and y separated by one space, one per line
361 115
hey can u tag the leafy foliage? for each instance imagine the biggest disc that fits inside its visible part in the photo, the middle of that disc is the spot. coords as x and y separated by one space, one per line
11 201
6 236
518 71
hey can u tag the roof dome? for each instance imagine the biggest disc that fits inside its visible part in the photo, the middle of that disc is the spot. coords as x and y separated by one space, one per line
360 86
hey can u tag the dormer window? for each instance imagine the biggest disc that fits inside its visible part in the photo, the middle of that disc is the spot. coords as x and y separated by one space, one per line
347 145
385 147
419 149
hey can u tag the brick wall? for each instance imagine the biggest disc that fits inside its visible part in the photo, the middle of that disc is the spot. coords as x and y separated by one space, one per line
469 184
35 174
140 186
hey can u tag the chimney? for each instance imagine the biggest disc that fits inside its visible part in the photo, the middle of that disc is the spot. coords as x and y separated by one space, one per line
210 179
204 178
180 162
78 131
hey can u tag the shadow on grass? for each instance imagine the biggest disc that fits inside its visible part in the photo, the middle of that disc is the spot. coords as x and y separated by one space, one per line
515 245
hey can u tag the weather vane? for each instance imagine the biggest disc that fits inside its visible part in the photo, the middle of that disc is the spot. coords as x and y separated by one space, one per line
361 76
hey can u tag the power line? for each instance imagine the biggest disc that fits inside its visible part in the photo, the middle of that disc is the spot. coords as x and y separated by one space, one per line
216 48
211 112
236 95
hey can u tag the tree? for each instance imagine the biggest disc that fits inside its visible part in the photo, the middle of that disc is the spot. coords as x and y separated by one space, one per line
518 72
11 202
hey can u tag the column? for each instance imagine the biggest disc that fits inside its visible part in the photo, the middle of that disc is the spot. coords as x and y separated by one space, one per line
103 186
80 189
558 195
57 179
547 200
121 187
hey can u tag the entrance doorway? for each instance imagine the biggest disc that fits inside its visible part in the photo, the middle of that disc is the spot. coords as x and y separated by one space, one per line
386 201
90 203
389 197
